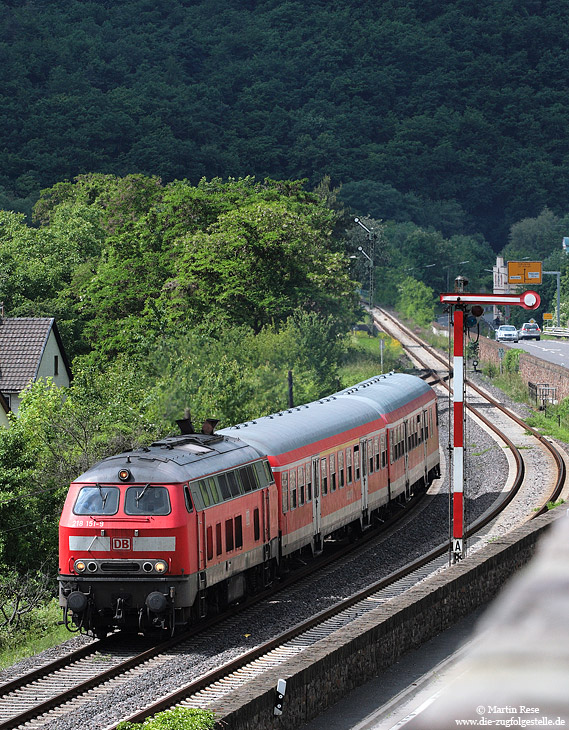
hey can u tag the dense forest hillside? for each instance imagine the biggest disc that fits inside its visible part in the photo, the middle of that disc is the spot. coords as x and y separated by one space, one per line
450 114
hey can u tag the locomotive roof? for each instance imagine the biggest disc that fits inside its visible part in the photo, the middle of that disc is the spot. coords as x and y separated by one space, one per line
350 408
174 459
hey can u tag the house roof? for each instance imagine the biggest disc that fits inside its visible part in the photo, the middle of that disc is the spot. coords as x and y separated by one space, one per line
22 344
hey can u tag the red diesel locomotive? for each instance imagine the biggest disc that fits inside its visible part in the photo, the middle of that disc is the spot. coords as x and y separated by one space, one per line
161 536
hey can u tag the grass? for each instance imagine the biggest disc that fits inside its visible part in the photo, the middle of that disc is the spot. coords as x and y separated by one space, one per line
363 359
553 421
41 632
512 385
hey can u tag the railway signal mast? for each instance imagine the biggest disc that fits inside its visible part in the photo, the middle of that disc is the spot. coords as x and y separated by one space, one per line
468 308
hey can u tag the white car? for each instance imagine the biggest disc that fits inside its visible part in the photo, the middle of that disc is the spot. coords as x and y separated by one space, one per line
507 333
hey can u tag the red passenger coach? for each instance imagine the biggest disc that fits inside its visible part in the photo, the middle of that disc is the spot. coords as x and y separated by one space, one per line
161 536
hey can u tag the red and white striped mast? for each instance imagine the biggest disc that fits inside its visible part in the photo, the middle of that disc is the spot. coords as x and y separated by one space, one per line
470 305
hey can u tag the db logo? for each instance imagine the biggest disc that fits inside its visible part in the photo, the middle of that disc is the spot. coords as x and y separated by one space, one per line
121 543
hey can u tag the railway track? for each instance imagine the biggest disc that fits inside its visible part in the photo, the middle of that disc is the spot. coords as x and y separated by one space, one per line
210 686
43 694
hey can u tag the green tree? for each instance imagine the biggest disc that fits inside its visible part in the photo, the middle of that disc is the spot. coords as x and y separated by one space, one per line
416 301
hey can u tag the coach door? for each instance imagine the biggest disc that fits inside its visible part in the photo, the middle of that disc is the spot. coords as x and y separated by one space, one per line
316 511
406 448
364 471
424 432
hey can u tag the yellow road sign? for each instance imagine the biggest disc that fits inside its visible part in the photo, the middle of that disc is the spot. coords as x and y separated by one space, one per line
547 315
524 272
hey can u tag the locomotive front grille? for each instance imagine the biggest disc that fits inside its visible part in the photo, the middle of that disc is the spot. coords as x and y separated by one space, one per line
120 566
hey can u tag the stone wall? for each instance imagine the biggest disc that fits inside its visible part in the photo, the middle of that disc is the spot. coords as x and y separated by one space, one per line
323 673
532 369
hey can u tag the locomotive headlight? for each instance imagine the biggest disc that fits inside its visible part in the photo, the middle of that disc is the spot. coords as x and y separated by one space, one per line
80 566
160 566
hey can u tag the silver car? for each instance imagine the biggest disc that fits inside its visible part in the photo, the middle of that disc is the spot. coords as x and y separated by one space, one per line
507 333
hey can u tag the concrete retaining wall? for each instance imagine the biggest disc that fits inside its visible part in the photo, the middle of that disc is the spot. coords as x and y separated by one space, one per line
320 675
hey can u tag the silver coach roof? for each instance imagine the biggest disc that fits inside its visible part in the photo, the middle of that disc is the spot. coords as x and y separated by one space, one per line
349 408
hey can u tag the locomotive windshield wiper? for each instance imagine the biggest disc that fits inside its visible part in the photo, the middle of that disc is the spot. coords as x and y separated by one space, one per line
103 496
140 495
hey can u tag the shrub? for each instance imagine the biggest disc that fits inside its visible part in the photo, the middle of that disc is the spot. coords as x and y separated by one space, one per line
179 718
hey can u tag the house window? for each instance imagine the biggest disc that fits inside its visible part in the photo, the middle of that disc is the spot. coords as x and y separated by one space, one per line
56 364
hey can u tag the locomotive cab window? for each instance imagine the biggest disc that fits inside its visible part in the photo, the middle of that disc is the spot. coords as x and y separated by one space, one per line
97 500
147 500
188 499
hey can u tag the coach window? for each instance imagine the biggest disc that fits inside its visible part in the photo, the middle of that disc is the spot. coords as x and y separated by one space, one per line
383 451
238 532
370 455
333 472
349 467
324 477
229 535
341 468
209 543
301 494
308 470
357 462
218 542
256 524
376 452
188 499
293 489
284 486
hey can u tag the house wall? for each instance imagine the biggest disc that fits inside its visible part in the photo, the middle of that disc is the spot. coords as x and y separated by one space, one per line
47 370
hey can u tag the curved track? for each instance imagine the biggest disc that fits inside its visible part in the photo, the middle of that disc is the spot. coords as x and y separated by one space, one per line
208 688
525 436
